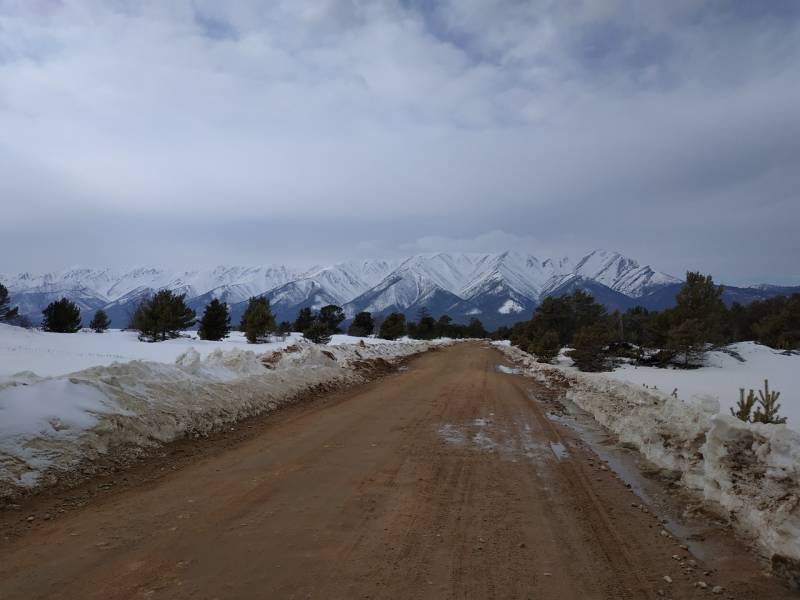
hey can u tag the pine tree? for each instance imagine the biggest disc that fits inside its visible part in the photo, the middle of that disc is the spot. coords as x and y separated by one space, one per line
589 347
216 321
475 329
425 327
304 319
585 310
776 322
62 316
768 407
318 332
701 300
163 316
546 347
744 406
100 321
331 316
393 327
362 325
257 321
6 312
444 326
687 339
553 314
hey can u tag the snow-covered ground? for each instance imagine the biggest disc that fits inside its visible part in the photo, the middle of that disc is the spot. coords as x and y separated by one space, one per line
67 399
60 353
723 375
751 470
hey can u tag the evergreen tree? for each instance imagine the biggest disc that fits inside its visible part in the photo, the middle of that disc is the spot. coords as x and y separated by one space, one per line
779 327
585 311
635 325
6 312
444 326
284 328
701 300
62 316
216 321
768 407
687 338
362 325
304 319
318 332
162 317
331 316
589 346
100 321
501 333
425 327
744 407
546 347
554 314
393 326
257 320
475 329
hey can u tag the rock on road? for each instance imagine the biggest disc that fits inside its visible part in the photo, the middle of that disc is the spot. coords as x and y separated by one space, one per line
443 481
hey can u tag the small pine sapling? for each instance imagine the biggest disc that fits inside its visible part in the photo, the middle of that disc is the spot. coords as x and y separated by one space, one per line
768 407
744 407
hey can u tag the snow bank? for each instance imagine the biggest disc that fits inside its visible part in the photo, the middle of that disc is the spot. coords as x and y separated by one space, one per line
48 353
51 426
752 470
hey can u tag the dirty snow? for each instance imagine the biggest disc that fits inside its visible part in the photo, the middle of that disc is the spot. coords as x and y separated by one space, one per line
751 470
51 424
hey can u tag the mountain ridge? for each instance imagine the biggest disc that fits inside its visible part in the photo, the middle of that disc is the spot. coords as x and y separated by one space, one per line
497 287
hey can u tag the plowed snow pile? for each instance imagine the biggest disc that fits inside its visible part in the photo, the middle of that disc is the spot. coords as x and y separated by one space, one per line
51 426
752 470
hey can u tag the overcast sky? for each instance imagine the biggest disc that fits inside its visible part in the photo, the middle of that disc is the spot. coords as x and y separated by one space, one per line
198 132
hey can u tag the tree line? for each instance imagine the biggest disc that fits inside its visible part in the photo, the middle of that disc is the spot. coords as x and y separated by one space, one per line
165 315
675 336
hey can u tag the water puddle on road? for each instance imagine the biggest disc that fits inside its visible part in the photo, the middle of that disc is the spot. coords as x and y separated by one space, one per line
508 370
513 441
452 435
477 432
669 504
559 450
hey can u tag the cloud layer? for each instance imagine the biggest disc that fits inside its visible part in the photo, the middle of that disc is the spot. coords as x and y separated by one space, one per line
199 132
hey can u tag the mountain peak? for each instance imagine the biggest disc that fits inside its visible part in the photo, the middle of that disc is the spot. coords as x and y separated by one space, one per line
502 284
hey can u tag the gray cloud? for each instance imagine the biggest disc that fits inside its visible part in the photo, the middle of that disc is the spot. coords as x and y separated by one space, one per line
203 132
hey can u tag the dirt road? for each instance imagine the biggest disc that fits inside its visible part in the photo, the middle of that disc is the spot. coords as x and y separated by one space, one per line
447 480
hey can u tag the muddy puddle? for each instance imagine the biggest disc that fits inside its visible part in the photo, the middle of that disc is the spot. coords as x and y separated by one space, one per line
707 537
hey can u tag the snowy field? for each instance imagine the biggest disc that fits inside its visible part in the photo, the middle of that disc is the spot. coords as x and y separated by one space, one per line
50 354
723 375
66 399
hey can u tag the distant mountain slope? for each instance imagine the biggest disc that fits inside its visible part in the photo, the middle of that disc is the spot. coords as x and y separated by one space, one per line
665 297
608 297
621 274
499 288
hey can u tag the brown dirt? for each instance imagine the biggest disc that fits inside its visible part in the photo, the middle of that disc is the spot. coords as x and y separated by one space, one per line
444 481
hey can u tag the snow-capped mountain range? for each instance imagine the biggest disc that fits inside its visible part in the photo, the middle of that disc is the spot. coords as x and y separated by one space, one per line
499 288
